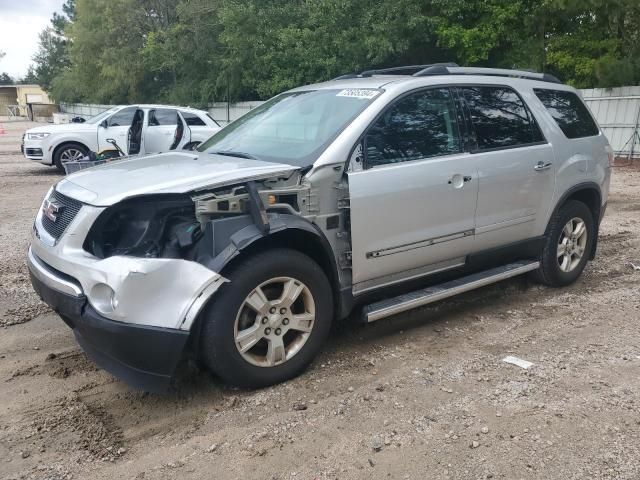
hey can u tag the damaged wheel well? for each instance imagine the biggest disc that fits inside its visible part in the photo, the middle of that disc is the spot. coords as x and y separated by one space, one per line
297 239
303 241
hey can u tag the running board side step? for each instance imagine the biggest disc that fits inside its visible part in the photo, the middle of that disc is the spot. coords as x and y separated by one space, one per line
425 296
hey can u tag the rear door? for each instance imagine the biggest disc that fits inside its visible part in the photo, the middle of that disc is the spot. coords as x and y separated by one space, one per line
516 169
182 134
160 131
199 129
413 203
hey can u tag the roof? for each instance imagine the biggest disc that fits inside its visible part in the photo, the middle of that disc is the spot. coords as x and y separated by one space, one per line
437 74
156 105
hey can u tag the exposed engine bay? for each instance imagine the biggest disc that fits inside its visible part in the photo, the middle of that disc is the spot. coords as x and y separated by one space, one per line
186 226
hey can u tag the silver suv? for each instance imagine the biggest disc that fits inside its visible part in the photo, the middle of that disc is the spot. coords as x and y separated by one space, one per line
376 192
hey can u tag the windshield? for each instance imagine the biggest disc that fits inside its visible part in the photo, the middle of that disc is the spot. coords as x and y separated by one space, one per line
292 128
101 116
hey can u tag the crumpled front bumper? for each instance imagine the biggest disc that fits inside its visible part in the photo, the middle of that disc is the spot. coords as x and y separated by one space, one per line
131 315
144 357
159 292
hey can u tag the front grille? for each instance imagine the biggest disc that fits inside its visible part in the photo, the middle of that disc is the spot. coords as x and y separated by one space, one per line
69 209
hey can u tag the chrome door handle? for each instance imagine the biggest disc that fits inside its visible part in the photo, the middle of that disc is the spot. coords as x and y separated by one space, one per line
540 166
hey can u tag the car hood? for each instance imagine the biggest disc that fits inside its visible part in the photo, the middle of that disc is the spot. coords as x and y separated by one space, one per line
64 128
172 172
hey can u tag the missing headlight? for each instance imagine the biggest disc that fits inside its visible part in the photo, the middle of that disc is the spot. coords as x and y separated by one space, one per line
153 226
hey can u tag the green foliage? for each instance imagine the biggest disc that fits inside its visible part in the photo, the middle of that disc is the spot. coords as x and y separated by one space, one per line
52 58
6 79
197 51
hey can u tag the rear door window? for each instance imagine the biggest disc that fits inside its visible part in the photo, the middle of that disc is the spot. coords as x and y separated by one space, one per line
500 118
420 125
163 116
569 112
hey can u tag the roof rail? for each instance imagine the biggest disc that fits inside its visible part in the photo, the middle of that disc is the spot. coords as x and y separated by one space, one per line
391 70
378 71
496 72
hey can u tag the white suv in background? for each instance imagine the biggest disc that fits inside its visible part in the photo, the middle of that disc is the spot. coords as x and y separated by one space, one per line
138 129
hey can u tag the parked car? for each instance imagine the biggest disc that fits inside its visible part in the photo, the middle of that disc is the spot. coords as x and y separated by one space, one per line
138 129
379 191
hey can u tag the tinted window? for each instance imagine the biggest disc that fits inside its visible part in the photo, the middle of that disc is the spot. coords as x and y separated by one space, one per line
420 125
192 119
123 118
163 116
500 118
569 112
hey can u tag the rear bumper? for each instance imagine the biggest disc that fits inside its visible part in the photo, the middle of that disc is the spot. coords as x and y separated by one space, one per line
144 357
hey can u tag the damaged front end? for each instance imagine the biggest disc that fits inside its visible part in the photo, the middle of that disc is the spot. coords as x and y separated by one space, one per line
200 227
132 278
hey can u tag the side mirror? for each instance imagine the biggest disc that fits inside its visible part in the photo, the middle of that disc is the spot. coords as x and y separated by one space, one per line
78 120
103 124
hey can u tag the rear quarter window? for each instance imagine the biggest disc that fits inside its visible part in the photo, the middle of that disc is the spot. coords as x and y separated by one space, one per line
569 112
192 119
500 117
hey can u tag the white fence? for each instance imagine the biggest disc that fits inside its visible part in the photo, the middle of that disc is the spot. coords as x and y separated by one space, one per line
617 110
224 113
85 110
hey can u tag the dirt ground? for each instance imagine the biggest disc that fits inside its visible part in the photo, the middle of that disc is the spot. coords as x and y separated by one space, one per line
422 395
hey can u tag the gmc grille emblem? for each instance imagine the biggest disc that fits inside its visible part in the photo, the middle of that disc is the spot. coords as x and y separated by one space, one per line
51 210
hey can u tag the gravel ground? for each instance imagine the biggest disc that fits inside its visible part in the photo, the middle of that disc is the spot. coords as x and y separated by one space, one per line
422 395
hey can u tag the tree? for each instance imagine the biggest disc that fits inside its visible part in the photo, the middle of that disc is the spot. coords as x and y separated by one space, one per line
196 51
51 58
6 79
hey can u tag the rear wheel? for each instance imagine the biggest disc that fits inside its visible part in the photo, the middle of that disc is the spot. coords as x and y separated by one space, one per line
568 245
70 152
269 322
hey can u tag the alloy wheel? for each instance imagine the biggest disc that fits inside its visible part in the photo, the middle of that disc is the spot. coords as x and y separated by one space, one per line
274 321
71 155
572 244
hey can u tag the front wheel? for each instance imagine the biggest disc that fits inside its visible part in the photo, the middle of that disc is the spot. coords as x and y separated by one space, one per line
569 242
71 152
269 322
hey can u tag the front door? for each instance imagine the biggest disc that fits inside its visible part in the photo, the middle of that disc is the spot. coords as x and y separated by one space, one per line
159 135
515 167
414 201
117 127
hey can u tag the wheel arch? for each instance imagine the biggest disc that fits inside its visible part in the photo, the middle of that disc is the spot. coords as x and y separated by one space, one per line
64 143
287 231
590 194
295 233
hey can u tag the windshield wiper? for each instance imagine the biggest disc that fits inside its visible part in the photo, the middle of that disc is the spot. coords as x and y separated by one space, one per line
230 153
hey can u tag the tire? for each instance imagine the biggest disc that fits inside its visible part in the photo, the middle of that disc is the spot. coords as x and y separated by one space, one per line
66 152
229 316
555 270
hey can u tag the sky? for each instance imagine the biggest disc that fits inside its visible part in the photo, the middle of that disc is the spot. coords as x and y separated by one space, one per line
20 23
